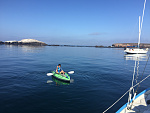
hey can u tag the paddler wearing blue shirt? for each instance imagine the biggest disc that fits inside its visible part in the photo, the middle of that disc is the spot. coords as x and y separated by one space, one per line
59 70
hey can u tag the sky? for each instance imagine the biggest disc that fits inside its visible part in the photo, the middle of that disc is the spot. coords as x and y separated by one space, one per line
74 22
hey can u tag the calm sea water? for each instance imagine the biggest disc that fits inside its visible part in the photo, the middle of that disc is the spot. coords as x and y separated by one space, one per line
102 75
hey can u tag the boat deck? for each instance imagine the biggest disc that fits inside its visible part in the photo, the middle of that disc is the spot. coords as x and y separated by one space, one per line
141 104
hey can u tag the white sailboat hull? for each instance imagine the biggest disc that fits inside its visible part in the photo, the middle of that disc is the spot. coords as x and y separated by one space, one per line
136 51
141 104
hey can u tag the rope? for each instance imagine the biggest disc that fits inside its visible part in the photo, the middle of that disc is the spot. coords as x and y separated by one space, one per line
141 81
116 102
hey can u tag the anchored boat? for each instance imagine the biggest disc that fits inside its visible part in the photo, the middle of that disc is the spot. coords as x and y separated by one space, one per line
138 50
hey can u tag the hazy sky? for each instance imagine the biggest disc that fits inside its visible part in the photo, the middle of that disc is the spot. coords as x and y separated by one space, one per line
79 22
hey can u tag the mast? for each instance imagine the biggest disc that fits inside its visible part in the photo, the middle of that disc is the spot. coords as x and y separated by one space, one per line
140 25
139 31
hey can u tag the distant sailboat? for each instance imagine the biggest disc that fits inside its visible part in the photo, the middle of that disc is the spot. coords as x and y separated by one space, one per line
138 50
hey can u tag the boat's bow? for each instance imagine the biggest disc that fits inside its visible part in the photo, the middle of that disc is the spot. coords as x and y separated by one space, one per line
141 104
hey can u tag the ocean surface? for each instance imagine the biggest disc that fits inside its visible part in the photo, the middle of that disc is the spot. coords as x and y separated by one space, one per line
102 75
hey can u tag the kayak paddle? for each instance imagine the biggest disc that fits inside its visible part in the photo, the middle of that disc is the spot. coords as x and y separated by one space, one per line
71 72
49 74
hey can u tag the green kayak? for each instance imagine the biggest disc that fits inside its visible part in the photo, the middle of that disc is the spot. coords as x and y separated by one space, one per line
60 82
61 76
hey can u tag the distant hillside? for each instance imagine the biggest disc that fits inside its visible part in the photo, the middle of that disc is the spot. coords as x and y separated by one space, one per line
1 42
124 45
26 42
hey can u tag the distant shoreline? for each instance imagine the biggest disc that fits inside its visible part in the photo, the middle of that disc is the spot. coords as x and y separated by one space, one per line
33 42
56 45
131 45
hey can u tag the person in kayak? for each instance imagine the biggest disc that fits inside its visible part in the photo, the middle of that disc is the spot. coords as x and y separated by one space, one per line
59 70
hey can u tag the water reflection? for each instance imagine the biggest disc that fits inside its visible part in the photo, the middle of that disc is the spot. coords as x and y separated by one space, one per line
49 81
58 82
27 48
136 57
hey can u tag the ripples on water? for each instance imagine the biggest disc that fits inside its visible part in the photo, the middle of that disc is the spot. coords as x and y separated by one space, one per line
101 76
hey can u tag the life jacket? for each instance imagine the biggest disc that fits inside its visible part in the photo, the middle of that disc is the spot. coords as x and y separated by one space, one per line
59 69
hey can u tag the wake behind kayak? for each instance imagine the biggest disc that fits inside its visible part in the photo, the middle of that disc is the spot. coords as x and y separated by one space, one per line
61 77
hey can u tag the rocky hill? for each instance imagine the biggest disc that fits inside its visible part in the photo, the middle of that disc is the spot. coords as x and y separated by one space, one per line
1 42
26 42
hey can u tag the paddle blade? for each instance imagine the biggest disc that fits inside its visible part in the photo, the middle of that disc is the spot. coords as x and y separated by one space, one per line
49 74
71 72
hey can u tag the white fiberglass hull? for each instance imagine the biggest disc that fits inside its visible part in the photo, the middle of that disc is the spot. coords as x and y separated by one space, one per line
136 51
141 104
